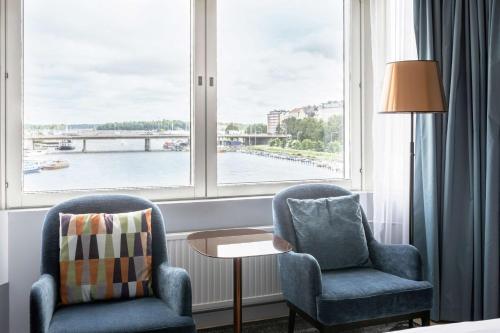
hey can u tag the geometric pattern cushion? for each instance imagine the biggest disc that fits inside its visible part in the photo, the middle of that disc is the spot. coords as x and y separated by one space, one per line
105 256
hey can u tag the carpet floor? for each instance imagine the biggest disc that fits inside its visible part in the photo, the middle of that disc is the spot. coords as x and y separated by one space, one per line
281 325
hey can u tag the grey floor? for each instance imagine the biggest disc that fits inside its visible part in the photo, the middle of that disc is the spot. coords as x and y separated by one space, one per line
281 325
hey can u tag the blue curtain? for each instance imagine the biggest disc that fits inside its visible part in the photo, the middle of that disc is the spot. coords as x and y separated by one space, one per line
457 179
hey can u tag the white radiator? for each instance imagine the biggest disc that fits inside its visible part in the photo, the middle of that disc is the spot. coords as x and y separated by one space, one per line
212 279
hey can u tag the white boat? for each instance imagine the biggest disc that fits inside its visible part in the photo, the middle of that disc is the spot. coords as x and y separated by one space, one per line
54 165
65 145
30 167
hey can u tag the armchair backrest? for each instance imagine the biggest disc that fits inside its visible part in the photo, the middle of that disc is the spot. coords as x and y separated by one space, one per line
112 204
282 218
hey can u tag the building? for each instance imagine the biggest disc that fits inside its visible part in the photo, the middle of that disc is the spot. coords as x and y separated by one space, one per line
274 119
332 108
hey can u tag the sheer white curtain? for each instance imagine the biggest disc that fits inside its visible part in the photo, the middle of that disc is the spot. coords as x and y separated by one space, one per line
392 39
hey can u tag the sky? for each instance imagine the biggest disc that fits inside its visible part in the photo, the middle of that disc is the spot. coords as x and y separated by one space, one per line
96 61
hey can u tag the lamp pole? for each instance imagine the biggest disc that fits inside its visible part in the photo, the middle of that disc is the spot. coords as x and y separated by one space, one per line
412 180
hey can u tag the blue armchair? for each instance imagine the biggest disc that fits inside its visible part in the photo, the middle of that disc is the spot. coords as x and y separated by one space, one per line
389 288
168 311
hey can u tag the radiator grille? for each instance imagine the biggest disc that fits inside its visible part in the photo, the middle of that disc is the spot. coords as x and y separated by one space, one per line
212 279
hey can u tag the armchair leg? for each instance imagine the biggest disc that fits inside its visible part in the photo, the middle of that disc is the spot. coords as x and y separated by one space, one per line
291 321
410 323
426 319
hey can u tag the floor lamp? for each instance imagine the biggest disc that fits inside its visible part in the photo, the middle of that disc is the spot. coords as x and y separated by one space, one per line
412 86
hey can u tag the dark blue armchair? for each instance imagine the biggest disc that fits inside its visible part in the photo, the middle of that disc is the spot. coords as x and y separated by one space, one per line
389 288
168 311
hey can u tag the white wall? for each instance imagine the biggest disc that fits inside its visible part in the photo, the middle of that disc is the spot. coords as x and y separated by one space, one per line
4 258
4 287
24 239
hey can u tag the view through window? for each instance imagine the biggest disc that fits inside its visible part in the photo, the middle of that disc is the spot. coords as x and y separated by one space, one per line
108 97
107 94
280 103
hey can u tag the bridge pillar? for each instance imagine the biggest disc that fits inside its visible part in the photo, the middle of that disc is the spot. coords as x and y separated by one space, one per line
147 144
84 146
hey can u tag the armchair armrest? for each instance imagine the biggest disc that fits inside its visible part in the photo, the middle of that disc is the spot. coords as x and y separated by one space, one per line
174 288
300 280
43 301
401 260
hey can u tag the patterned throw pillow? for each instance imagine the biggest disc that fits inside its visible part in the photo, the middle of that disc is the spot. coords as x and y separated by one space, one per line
105 256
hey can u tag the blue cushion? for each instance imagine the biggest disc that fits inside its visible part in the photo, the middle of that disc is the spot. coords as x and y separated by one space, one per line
355 294
331 230
148 314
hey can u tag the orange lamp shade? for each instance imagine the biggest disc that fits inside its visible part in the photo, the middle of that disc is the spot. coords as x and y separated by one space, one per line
412 86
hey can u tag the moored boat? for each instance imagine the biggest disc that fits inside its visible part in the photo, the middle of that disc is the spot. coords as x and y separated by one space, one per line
30 167
54 165
65 145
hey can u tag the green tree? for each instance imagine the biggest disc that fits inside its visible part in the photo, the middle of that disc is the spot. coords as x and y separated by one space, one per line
232 127
307 144
334 147
294 144
145 125
276 142
256 128
334 129
318 145
307 128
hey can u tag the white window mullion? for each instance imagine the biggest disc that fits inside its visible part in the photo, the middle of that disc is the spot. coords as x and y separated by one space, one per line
352 63
13 103
199 106
211 100
3 126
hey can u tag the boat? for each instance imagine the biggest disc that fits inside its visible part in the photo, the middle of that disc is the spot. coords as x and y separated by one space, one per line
65 145
178 145
30 167
54 165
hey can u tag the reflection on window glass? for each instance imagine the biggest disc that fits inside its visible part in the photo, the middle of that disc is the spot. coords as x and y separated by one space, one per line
106 89
280 90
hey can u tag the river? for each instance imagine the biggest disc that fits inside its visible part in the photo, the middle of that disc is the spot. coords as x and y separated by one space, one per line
157 168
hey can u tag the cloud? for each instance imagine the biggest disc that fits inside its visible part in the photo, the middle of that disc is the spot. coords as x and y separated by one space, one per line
93 61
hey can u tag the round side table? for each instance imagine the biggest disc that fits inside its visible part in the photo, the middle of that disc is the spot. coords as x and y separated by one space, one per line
237 244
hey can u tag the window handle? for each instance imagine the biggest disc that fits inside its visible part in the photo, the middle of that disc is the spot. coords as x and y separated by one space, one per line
200 80
211 81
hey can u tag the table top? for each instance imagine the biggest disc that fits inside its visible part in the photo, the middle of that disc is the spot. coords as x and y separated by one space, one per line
237 243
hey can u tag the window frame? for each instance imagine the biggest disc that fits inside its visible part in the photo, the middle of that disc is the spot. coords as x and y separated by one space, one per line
203 117
352 125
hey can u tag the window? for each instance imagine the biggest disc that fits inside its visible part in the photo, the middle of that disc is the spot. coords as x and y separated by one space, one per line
106 94
178 98
280 93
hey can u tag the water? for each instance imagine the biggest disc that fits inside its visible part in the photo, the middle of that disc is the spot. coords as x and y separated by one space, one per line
160 168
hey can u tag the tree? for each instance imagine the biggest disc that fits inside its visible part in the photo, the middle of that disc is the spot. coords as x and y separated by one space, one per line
318 146
294 144
334 147
334 128
256 128
276 142
307 144
145 125
232 127
307 128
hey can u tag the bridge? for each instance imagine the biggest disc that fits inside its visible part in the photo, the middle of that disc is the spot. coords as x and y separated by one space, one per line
247 139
